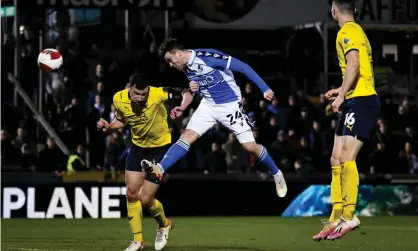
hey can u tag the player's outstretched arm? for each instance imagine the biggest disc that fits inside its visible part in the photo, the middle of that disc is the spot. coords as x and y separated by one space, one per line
248 71
233 64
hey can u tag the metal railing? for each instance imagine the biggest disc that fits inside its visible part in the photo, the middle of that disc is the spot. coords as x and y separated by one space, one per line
38 116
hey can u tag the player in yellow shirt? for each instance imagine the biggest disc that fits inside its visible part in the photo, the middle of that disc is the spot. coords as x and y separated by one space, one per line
359 105
141 106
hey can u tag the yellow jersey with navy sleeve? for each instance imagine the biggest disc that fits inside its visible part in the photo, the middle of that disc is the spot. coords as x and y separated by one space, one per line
352 37
149 126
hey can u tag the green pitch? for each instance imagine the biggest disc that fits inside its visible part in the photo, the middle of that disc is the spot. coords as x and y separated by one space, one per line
204 234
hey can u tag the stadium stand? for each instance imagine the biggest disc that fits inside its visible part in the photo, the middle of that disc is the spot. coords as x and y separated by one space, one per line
298 125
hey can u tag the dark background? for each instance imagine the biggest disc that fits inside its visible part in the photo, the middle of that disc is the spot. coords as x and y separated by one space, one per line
297 128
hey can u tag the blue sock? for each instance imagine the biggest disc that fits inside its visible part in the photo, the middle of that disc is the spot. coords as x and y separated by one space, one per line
176 152
266 159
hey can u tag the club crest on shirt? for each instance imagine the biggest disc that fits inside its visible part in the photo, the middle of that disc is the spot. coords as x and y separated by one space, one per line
206 81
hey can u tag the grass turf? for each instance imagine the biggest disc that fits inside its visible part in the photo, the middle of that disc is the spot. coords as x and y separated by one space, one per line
211 233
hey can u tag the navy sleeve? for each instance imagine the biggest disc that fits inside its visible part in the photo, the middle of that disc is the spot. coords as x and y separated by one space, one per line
221 61
239 66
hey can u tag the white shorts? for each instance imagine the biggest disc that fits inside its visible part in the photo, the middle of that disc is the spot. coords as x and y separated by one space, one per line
230 115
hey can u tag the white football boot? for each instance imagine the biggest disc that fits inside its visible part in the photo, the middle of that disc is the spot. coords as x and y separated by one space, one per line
161 238
344 227
135 246
281 187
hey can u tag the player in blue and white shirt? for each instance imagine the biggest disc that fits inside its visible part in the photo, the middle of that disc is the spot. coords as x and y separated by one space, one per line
210 74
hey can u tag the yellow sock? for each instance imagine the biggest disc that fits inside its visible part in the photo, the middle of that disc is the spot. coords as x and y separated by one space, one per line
135 219
350 189
336 196
157 212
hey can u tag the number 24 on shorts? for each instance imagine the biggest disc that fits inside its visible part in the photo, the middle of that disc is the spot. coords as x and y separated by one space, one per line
234 117
349 119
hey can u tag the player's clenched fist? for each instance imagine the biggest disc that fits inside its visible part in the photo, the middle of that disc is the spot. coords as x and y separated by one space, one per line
269 95
194 86
339 100
331 94
176 112
102 124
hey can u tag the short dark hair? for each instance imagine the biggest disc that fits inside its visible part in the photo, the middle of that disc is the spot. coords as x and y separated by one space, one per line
169 46
140 80
346 6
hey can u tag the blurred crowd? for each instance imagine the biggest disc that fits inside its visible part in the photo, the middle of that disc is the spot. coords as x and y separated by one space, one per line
297 128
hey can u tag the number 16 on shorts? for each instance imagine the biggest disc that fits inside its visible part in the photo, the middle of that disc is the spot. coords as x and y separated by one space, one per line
349 120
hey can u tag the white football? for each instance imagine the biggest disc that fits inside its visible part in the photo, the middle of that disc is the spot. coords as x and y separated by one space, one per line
50 60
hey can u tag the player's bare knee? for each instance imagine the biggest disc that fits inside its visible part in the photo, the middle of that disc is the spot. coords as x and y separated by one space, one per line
251 147
351 148
347 156
335 160
132 194
146 199
337 150
344 159
189 136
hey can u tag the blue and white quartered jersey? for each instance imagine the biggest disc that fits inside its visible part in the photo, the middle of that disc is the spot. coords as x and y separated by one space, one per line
212 70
